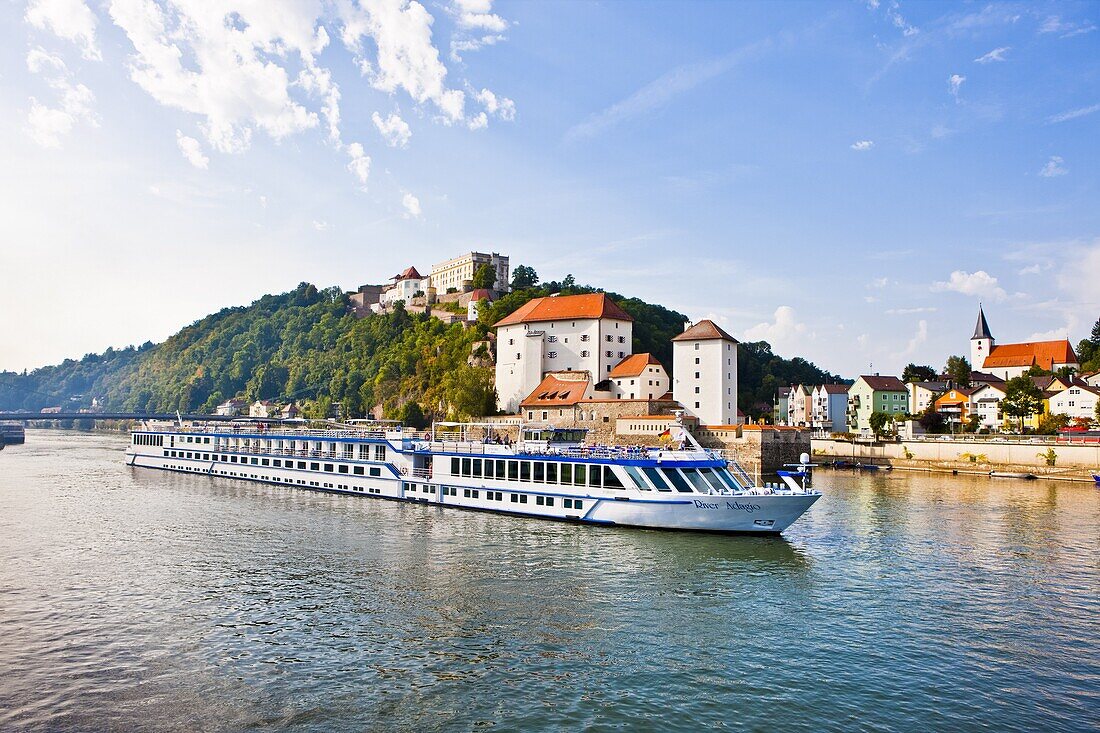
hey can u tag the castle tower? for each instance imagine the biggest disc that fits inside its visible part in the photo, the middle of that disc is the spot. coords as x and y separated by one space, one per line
705 373
981 343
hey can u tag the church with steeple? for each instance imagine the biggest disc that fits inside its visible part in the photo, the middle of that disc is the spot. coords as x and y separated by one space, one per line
1011 360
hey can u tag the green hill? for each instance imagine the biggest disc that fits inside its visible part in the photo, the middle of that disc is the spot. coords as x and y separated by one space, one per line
306 346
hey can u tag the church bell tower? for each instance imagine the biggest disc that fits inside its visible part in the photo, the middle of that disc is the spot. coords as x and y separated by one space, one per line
981 343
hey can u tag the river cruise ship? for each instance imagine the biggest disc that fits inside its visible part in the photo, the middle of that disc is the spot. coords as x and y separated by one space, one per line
547 473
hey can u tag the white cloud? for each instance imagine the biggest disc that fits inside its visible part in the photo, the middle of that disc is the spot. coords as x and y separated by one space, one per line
188 57
879 282
192 150
662 90
321 226
783 332
862 145
68 19
412 205
919 339
954 82
402 34
263 202
997 54
394 129
360 162
476 26
501 107
478 122
1031 269
1054 167
979 283
1074 114
1054 24
48 125
910 311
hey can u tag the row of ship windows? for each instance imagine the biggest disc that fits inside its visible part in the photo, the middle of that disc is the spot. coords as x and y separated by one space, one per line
276 479
684 480
364 449
144 439
498 496
278 463
539 472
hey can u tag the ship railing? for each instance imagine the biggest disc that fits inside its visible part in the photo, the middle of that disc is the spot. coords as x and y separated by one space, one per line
422 473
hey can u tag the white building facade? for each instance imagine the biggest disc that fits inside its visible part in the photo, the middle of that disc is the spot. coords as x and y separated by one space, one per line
457 272
704 368
1077 401
829 412
580 333
639 377
405 286
985 402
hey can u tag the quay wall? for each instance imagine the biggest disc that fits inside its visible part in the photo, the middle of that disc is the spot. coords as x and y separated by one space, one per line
963 454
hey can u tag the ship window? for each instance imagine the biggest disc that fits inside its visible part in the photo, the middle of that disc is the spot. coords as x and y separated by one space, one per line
525 470
549 501
551 473
610 480
708 475
539 472
301 464
696 480
513 470
636 477
364 452
515 498
375 471
466 467
580 474
594 476
656 479
677 480
489 468
255 461
277 463
264 462
567 474
476 468
379 452
315 467
454 467
343 469
523 498
328 467
500 469
357 470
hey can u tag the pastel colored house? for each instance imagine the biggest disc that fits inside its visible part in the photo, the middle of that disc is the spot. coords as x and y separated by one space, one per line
1077 401
829 408
873 393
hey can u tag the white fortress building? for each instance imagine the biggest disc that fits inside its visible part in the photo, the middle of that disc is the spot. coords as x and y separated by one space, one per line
457 272
704 368
569 333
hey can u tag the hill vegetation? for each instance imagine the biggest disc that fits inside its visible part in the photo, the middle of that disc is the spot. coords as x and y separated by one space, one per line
305 345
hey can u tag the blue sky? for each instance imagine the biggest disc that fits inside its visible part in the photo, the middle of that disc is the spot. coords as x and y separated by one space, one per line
846 180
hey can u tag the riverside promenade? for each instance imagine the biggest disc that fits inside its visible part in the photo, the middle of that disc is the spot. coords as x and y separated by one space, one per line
1055 457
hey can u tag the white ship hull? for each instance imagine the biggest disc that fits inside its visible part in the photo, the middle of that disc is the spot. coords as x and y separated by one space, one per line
394 474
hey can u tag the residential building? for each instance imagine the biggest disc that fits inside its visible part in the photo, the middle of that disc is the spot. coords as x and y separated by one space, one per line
404 287
954 405
1011 360
579 333
263 408
780 406
1077 401
639 377
704 365
232 407
800 406
458 273
1092 379
874 393
830 408
923 394
473 305
985 402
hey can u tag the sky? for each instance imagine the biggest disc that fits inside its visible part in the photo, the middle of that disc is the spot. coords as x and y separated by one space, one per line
845 180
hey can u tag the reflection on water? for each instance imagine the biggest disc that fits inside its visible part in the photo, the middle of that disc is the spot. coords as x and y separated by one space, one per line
133 599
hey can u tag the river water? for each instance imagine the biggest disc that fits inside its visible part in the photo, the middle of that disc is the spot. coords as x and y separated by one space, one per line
133 599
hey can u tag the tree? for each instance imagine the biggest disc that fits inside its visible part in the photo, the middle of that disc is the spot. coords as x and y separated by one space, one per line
932 420
1050 424
918 373
412 416
1022 398
485 277
524 277
958 369
879 422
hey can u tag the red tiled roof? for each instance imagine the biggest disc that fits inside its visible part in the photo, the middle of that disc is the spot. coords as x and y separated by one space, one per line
634 365
883 384
555 392
702 331
1044 353
565 307
481 294
410 273
835 388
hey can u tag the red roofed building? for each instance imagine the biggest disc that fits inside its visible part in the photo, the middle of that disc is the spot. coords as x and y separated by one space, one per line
578 333
640 377
704 365
406 285
1011 360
